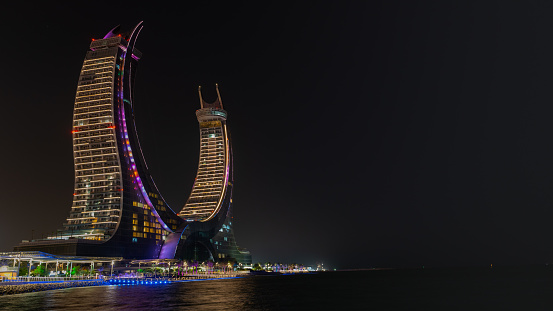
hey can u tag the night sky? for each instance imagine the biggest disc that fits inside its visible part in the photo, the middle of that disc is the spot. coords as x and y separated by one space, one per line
392 134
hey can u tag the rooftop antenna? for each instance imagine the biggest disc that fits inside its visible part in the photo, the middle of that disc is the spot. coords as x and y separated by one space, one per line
200 93
218 95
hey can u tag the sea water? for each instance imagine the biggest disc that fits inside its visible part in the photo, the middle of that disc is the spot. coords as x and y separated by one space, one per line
519 288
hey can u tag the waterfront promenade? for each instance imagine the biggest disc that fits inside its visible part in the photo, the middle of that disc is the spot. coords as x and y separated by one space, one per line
10 288
35 284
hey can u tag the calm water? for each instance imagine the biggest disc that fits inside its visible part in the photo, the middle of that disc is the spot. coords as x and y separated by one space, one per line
528 288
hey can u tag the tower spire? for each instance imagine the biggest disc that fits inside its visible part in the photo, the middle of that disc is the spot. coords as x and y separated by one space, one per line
200 94
218 95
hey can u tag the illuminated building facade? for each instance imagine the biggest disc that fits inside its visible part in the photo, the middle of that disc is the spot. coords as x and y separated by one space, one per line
210 202
117 209
212 179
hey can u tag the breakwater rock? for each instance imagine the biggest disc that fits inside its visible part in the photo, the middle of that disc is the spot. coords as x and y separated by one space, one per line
36 287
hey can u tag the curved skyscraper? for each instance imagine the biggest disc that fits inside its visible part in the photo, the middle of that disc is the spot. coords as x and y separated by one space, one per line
117 209
208 210
213 185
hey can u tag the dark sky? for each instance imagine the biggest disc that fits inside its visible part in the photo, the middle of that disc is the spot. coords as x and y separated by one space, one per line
389 134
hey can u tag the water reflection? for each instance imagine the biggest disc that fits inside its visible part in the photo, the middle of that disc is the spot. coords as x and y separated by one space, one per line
402 289
232 294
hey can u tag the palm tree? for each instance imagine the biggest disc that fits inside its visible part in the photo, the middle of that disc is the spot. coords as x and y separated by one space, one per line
185 265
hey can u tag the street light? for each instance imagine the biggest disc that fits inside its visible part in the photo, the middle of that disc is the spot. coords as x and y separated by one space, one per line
112 268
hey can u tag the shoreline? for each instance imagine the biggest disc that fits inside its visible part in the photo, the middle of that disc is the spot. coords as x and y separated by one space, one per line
12 289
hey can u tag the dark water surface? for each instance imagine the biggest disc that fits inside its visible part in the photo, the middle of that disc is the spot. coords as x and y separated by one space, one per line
526 288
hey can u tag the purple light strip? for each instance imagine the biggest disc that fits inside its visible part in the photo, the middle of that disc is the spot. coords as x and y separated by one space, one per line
129 154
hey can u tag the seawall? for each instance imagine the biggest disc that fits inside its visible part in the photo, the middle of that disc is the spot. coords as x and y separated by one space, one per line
36 287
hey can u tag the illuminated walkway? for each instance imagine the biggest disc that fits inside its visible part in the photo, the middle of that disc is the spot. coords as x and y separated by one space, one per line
59 265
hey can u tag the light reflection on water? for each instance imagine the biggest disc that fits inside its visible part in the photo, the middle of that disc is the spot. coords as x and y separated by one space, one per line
525 288
234 294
